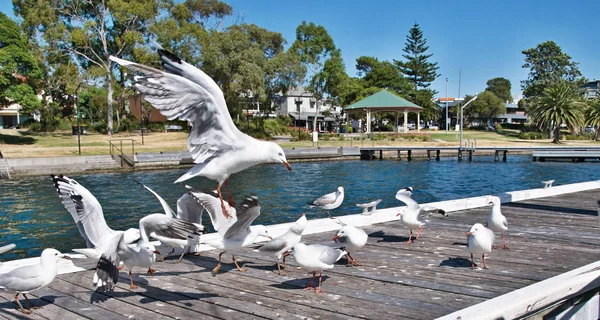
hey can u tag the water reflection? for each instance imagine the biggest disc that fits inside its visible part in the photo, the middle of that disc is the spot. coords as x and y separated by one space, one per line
32 216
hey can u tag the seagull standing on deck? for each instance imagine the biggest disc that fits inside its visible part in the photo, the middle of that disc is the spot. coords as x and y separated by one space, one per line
26 279
351 238
329 201
281 245
218 148
495 220
412 214
480 240
316 258
235 233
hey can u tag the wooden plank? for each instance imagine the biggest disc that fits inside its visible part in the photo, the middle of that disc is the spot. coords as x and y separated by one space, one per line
48 310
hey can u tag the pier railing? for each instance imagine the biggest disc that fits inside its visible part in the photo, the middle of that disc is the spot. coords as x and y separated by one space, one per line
117 149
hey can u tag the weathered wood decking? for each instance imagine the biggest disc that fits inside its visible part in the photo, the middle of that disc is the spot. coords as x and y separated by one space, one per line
430 278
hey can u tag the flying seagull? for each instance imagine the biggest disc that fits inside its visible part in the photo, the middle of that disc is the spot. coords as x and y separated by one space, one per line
218 148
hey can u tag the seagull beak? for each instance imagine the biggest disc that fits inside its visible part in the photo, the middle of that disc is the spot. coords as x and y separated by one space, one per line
270 238
469 233
490 202
287 165
335 238
399 214
66 257
156 251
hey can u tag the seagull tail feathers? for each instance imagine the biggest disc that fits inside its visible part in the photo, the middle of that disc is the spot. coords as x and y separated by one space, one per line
194 171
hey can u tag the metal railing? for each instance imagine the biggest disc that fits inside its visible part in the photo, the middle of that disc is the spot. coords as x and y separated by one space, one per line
116 149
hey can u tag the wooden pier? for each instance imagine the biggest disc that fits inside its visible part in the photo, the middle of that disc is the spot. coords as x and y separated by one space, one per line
573 153
547 236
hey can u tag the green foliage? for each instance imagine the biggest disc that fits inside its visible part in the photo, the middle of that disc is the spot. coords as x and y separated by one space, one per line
156 127
583 136
559 104
127 125
304 136
501 88
276 127
485 107
547 65
533 135
20 73
592 115
417 68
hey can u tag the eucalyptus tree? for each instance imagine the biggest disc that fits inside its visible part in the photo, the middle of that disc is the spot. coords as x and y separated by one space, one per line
89 31
485 108
559 104
501 88
21 75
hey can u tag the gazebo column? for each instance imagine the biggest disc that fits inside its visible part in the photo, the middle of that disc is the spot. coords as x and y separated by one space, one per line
397 127
368 121
418 122
405 121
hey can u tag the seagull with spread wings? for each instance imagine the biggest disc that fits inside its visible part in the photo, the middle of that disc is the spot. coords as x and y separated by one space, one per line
235 233
412 215
218 148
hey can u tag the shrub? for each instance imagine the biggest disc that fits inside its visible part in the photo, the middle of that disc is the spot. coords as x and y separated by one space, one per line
99 126
303 135
533 135
156 127
583 136
127 125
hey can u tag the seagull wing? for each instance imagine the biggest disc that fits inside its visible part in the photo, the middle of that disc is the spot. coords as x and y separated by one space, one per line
84 208
212 205
166 227
249 211
325 199
274 245
328 254
26 278
175 65
107 268
168 211
179 98
406 197
189 209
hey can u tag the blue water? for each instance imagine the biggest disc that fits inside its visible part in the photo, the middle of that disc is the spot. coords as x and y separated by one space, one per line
32 216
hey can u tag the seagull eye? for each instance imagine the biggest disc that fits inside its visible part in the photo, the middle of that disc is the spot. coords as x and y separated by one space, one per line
279 154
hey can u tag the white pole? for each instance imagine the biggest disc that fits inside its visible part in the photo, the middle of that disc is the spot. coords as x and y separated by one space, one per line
446 106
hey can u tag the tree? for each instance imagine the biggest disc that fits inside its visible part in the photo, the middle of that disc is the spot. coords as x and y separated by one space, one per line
547 64
592 116
20 72
501 88
485 108
383 75
89 31
417 68
559 104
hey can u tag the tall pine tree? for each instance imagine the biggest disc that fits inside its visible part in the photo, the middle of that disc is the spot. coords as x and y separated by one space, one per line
419 71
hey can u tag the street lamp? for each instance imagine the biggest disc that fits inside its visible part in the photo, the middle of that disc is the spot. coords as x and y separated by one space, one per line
77 112
446 106
461 119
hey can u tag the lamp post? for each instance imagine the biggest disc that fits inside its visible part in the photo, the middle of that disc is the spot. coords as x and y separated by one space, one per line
461 119
446 106
77 113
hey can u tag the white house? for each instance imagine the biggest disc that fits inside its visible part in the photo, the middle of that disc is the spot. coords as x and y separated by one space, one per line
11 116
302 107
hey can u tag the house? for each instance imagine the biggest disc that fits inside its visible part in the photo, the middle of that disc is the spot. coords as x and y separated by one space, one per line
11 117
512 115
301 106
449 102
591 89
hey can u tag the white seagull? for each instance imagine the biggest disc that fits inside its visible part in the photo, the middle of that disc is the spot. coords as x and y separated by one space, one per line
235 233
218 148
479 241
496 221
412 215
281 245
316 258
351 238
329 201
26 279
188 210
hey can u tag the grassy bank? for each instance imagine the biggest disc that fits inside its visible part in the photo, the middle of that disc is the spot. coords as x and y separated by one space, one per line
25 144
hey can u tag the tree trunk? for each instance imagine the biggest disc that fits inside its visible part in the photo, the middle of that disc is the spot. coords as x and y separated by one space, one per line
109 88
556 134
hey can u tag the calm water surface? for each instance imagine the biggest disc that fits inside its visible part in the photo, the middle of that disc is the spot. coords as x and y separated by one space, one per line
32 216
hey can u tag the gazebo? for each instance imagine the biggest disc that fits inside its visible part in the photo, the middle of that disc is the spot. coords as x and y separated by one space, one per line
384 101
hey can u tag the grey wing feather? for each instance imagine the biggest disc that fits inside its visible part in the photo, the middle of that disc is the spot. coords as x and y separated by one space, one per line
211 203
172 228
248 212
330 255
273 245
189 209
168 211
84 208
107 268
25 278
325 199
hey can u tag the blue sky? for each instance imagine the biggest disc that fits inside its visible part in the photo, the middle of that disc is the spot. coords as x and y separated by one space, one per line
482 38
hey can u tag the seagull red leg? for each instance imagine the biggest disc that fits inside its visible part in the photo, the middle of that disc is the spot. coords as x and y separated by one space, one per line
25 311
31 305
229 197
409 238
131 286
504 241
320 280
310 286
483 259
472 262
420 230
225 213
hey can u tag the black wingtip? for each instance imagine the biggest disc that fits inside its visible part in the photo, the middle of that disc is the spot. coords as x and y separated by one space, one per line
169 55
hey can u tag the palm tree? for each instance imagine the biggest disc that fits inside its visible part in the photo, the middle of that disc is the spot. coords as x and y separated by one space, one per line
592 116
560 104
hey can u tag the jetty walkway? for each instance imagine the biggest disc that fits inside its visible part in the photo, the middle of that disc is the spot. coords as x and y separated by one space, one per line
551 231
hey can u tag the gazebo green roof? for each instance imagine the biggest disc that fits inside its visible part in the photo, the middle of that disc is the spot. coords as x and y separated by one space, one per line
384 101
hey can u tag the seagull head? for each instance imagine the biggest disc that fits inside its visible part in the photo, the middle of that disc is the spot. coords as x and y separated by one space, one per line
276 154
52 256
341 233
494 201
475 229
261 231
340 190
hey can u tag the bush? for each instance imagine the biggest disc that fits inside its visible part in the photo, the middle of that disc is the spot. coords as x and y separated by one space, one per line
498 126
533 135
99 126
583 136
303 135
156 127
35 126
127 125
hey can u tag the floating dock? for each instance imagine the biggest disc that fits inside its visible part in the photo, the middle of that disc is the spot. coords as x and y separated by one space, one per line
551 232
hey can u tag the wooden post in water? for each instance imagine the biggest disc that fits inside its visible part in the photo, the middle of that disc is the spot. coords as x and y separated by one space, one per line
409 155
437 155
496 156
380 154
470 155
504 156
428 155
399 155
